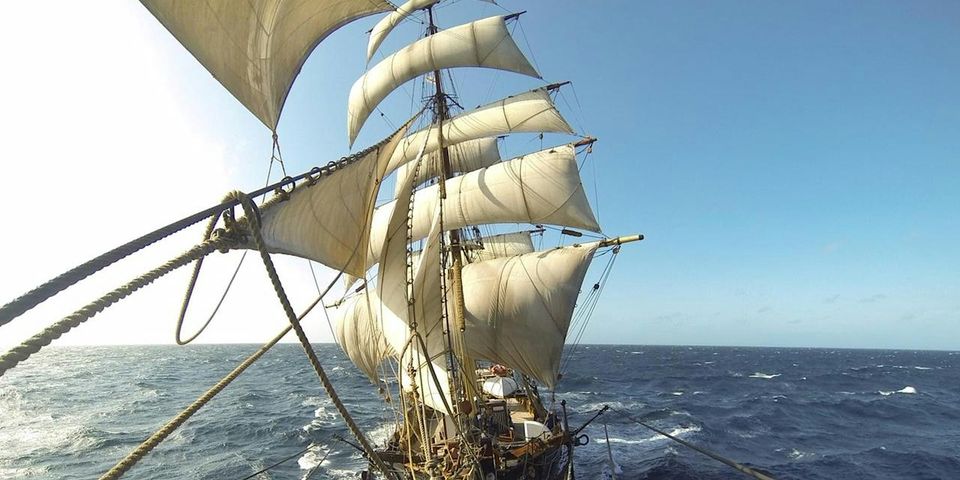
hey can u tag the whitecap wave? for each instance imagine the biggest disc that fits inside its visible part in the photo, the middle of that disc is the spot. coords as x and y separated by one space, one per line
905 390
764 375
679 431
314 457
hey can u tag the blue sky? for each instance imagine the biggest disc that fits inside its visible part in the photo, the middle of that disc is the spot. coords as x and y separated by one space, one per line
794 166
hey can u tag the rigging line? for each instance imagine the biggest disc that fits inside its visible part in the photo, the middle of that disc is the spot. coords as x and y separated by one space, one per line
590 304
291 457
527 43
316 468
726 461
38 295
192 283
250 213
131 459
33 345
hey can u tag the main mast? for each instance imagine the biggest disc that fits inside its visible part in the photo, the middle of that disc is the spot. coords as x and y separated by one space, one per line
466 373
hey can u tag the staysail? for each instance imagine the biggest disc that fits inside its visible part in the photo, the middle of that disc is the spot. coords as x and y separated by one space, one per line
256 48
484 43
329 221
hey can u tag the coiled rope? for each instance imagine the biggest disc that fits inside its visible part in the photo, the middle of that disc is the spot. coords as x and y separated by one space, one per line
33 345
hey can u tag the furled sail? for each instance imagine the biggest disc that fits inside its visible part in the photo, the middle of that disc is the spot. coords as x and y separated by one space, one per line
518 309
385 25
329 222
464 157
485 43
531 111
256 48
541 188
359 332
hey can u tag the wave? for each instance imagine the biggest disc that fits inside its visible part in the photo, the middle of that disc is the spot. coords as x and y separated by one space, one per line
905 390
679 431
764 375
313 457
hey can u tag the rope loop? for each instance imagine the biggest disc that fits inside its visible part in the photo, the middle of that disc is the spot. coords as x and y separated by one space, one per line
311 180
285 194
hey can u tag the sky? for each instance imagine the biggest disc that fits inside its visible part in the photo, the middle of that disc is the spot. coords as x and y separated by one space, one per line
795 167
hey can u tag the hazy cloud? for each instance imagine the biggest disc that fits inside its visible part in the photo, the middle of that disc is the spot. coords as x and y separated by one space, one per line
873 298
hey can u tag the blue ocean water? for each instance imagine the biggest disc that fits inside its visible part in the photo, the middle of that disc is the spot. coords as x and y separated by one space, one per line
71 413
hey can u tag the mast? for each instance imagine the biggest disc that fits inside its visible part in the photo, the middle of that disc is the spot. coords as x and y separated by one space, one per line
466 373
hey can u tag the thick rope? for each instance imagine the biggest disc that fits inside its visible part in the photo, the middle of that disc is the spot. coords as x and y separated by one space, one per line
251 216
130 460
39 294
34 297
53 332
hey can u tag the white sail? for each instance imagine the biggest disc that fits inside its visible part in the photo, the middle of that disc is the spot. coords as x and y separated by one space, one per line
256 48
402 306
518 309
485 43
330 221
359 333
385 25
498 246
540 188
464 157
531 111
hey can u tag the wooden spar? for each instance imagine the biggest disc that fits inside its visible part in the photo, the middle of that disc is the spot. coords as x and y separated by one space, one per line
621 240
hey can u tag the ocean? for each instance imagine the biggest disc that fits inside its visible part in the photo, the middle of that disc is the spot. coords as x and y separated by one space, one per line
72 412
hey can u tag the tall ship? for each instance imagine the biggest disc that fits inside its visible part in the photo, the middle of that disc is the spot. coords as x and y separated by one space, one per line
449 309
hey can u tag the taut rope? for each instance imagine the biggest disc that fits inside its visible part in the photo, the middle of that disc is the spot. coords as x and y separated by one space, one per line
249 210
51 333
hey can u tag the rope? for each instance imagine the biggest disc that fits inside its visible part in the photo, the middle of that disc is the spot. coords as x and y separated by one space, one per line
130 460
53 332
249 210
736 466
173 424
34 297
39 294
316 468
291 457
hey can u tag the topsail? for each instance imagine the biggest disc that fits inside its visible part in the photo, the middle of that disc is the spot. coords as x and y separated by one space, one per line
485 43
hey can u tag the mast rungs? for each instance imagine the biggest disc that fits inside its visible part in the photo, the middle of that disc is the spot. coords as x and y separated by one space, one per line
621 240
